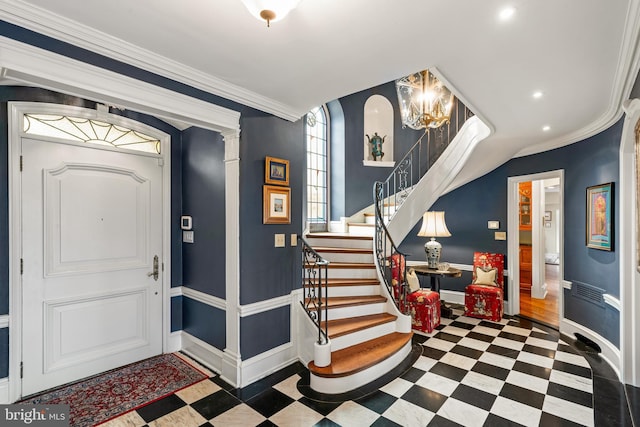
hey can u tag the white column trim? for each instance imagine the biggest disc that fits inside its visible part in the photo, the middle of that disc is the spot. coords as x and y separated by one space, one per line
628 249
4 321
231 360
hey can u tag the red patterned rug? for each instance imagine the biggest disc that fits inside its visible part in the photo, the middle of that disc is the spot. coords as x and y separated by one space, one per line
106 396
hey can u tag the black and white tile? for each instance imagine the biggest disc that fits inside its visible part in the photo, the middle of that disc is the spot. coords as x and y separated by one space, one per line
470 372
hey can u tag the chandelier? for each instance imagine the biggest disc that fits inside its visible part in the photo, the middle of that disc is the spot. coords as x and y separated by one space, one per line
424 101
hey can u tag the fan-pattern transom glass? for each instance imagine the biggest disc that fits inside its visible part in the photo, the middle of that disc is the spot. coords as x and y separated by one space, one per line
89 131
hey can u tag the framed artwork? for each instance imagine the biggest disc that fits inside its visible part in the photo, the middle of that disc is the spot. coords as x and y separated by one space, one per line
276 205
600 217
276 171
547 215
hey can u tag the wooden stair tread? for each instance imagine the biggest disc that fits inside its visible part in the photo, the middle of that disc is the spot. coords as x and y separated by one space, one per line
349 282
361 224
343 250
352 265
338 302
338 236
359 357
336 265
339 327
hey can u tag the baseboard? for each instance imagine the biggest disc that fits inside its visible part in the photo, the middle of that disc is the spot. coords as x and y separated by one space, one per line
4 391
454 297
265 364
201 351
610 353
175 342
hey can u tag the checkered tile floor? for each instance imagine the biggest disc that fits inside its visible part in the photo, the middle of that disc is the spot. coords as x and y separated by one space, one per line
470 373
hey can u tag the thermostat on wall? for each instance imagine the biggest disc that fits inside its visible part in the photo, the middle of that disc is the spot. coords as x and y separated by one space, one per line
185 222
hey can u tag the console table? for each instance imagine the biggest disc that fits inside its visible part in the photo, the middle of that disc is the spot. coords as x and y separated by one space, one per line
435 275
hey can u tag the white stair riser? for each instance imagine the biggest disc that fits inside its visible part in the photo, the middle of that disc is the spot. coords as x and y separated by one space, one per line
352 273
362 336
356 230
345 291
356 310
352 382
348 257
340 243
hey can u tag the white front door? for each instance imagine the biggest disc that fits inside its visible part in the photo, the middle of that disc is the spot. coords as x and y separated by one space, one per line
91 228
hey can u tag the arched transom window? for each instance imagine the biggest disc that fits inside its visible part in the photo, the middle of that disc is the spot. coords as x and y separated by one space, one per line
89 131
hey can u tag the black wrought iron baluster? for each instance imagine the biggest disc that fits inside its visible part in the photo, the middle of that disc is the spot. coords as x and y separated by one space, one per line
314 283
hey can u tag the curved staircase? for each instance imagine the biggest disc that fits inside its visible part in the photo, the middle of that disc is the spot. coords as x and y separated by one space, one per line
367 335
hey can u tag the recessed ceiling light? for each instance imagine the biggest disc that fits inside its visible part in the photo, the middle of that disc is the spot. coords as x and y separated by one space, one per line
546 128
507 13
537 94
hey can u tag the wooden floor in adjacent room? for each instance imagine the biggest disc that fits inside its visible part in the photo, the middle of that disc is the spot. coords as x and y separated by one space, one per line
543 310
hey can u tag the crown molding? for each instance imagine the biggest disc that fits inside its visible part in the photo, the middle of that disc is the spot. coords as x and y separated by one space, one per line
44 22
625 76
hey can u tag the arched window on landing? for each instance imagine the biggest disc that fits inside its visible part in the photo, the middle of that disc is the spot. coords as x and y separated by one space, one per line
317 148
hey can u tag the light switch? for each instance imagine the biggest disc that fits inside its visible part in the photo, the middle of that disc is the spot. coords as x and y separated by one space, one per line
279 241
187 236
294 239
501 235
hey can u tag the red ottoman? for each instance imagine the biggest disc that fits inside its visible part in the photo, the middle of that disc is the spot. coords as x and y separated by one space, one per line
424 307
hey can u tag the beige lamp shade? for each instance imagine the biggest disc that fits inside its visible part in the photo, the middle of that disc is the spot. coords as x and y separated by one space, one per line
433 225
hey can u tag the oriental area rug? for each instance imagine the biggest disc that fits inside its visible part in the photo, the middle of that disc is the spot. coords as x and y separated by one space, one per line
108 395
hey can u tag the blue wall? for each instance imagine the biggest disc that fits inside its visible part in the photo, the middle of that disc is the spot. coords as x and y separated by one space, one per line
468 208
203 194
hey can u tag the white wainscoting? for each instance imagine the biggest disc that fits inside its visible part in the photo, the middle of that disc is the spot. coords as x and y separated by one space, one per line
4 321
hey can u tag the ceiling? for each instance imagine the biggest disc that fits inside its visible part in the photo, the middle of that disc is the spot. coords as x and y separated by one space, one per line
581 54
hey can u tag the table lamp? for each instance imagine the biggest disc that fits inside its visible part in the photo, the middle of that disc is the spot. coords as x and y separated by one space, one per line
433 226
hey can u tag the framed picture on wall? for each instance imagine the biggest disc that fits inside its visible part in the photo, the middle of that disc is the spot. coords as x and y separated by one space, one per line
276 171
276 205
600 217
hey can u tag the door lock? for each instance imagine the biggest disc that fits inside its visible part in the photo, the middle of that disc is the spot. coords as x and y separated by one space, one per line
155 273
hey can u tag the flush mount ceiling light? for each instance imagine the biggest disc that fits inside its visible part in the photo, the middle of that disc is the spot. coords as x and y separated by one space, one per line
537 94
546 128
507 13
424 101
270 10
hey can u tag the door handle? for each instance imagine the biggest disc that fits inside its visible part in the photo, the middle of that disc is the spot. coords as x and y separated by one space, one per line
155 273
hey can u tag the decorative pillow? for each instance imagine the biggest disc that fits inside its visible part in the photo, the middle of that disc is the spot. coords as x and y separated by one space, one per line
486 277
412 280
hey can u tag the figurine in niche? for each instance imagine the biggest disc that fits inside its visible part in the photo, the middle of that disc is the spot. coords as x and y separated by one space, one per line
376 145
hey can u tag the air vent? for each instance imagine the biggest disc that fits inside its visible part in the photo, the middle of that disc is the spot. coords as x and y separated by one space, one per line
587 292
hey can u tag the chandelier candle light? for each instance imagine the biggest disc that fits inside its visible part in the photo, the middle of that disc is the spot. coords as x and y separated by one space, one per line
270 10
433 226
424 101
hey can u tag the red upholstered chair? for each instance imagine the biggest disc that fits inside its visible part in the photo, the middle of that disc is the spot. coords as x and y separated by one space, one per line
423 305
484 298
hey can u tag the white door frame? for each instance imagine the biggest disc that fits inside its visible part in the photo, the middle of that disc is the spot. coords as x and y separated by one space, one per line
16 110
27 64
513 249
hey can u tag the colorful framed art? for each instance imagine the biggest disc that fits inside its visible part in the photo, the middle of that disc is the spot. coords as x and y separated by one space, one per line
600 229
276 171
276 205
